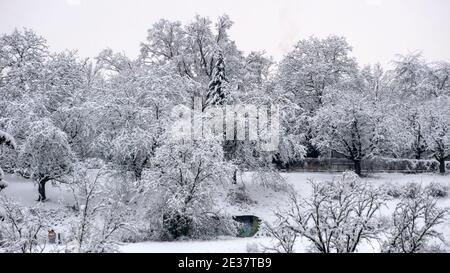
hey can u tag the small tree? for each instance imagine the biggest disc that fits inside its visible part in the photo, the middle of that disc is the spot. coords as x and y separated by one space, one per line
216 94
187 176
22 229
101 210
46 155
284 236
338 216
413 224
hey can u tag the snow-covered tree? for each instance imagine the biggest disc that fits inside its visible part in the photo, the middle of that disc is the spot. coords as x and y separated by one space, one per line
78 122
283 235
64 81
191 48
409 73
410 129
436 129
438 79
313 66
338 216
102 211
351 125
306 74
22 229
216 91
414 223
46 155
188 174
22 57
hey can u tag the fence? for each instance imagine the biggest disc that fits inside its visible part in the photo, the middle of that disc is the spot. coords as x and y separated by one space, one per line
367 165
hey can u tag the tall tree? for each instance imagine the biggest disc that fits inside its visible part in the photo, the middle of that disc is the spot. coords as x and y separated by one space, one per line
308 71
436 120
350 124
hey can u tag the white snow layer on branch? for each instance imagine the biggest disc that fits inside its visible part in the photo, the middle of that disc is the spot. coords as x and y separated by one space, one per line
7 139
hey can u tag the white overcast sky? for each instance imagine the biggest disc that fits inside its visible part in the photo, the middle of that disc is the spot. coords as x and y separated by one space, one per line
377 29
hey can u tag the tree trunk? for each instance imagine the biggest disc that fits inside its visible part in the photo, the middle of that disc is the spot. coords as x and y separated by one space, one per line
357 164
442 166
235 177
41 190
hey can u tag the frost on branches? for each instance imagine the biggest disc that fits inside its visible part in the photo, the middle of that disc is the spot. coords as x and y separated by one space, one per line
46 155
103 212
22 229
187 177
414 222
338 216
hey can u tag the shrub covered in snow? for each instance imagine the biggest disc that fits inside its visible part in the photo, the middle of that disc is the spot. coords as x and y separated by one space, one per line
414 224
437 190
22 229
411 190
101 209
338 216
283 235
391 190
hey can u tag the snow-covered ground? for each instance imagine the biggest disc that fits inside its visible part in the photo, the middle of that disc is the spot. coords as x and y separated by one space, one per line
25 191
266 201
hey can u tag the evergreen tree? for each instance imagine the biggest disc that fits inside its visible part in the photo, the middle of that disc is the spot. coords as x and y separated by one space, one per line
216 93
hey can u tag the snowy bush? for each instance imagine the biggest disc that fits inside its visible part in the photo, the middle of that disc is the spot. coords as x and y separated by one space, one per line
414 224
338 216
22 229
437 190
283 235
413 190
391 190
102 211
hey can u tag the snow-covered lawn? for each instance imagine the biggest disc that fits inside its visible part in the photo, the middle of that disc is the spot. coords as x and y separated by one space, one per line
221 245
265 202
